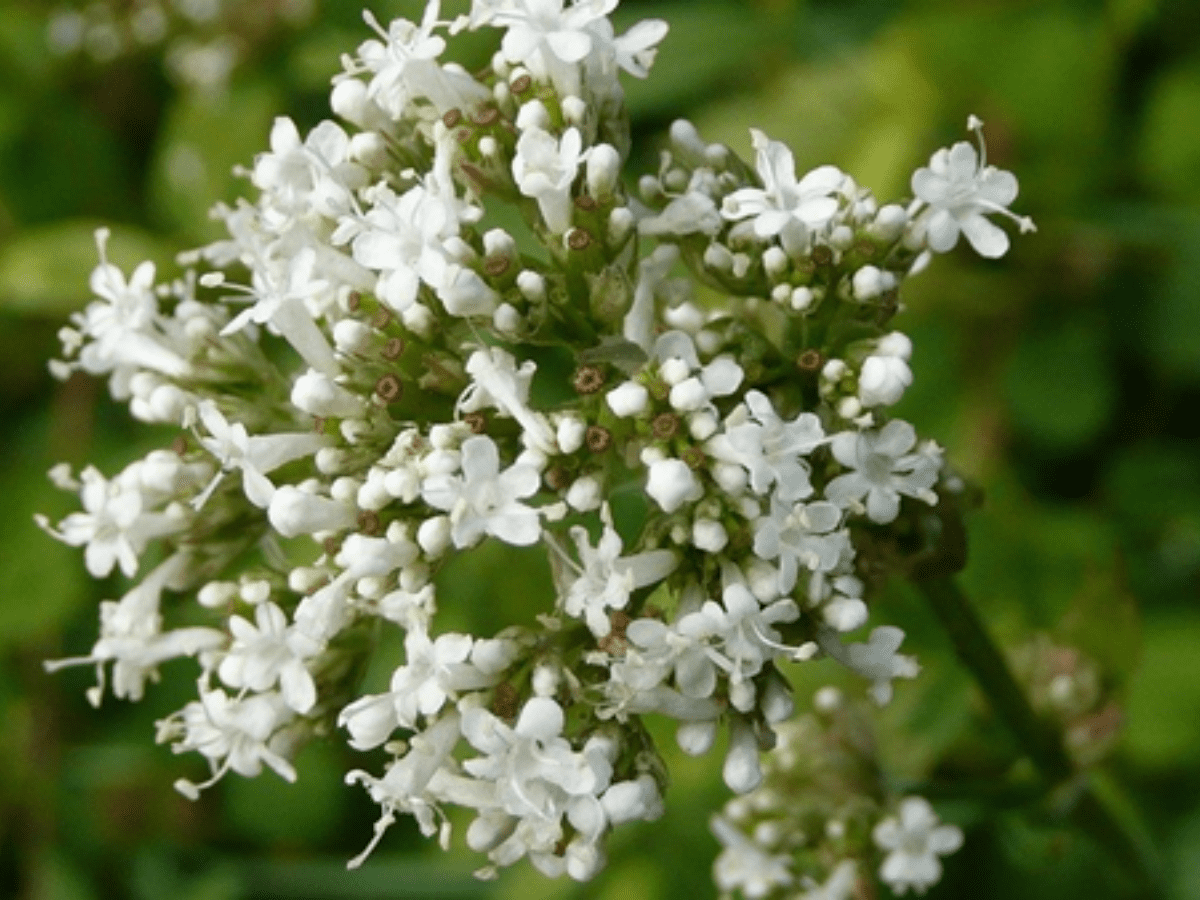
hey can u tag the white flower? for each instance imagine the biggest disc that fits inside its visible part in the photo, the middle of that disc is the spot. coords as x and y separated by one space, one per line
801 535
234 733
876 660
281 291
403 67
402 237
606 579
484 500
270 651
746 867
255 456
545 169
315 176
882 470
961 190
915 839
771 449
839 885
782 200
131 637
498 383
114 524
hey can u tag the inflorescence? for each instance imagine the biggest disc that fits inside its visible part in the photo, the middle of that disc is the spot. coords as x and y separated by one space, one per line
362 373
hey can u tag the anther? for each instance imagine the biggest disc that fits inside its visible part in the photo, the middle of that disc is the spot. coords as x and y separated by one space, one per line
452 117
354 301
179 445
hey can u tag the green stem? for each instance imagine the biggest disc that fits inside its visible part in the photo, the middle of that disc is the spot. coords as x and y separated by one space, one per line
1098 808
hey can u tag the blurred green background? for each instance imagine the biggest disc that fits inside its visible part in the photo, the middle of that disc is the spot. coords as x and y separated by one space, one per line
1064 379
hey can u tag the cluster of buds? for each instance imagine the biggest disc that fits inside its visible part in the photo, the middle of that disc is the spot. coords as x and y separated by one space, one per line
372 376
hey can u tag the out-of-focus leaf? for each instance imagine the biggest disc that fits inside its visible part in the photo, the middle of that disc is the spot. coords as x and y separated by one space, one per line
1163 728
303 813
1170 139
1174 320
709 42
45 271
382 878
869 111
1152 483
1059 384
40 579
156 875
56 878
1184 851
205 136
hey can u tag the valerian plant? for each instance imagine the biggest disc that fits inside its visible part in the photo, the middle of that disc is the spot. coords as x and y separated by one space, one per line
359 373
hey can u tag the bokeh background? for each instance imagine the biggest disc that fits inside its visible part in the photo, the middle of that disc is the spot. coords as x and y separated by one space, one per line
1064 379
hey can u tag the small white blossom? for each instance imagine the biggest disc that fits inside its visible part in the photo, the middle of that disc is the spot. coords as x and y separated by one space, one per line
914 839
783 200
961 190
882 468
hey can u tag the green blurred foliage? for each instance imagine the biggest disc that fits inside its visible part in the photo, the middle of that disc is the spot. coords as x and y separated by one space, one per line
1065 380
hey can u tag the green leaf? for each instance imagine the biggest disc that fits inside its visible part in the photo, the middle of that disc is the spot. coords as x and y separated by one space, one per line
41 580
204 137
1169 153
1163 729
692 59
269 810
44 271
1174 316
1059 384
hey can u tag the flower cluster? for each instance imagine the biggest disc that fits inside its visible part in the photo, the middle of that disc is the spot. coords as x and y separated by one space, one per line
819 822
369 379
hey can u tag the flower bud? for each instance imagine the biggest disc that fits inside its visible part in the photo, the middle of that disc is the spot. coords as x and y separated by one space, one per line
627 400
672 483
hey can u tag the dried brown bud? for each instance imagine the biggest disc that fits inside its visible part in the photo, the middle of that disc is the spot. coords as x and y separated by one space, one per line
393 349
505 702
381 320
588 379
665 426
558 478
486 116
180 445
354 301
368 522
452 117
521 84
496 265
694 457
811 361
585 203
476 421
579 239
597 438
822 255
389 388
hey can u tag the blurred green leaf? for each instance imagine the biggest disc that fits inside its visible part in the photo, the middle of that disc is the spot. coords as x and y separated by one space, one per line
1169 153
44 271
1153 482
1174 317
55 877
1059 384
1163 729
304 813
710 42
384 877
204 137
41 580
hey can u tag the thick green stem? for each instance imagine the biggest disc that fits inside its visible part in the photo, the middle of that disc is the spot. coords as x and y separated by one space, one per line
1096 809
